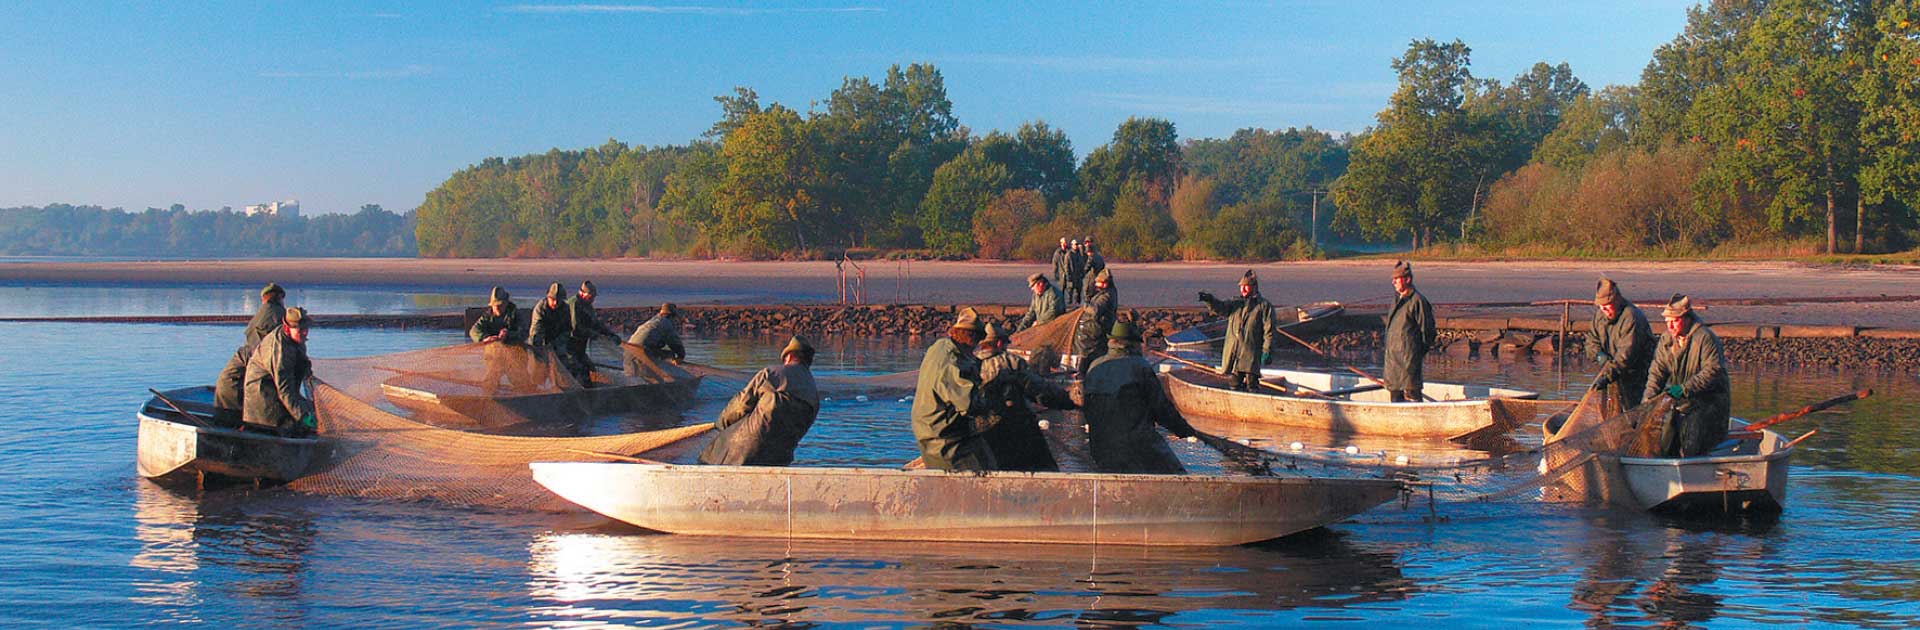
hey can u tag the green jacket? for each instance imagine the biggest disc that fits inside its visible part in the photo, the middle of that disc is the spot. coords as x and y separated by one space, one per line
1410 334
945 401
488 325
583 322
1624 346
1124 400
1062 266
764 423
1076 265
275 372
1011 428
1699 365
1251 332
660 337
1044 307
266 320
550 326
1103 308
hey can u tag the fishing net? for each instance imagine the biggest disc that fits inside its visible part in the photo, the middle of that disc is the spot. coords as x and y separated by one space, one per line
509 388
377 454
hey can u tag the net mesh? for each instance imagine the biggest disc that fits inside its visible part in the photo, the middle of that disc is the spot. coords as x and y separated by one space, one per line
377 454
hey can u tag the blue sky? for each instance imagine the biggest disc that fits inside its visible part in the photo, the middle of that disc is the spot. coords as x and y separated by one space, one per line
339 104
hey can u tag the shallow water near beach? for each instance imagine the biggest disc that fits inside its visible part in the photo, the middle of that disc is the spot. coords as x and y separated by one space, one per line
85 542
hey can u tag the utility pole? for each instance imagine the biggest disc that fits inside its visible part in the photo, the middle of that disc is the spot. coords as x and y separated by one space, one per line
1313 230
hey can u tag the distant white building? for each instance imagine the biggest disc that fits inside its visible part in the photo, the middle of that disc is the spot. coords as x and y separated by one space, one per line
288 208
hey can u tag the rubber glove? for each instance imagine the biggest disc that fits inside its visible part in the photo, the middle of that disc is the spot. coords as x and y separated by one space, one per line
309 421
1206 297
1676 391
1602 381
1266 358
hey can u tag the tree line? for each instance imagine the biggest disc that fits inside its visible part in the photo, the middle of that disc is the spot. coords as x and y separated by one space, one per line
1765 121
66 230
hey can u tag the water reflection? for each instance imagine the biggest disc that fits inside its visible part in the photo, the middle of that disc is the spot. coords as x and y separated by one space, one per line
231 539
94 301
594 576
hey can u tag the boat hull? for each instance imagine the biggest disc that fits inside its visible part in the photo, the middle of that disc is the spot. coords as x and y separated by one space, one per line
930 505
1749 477
170 450
1461 410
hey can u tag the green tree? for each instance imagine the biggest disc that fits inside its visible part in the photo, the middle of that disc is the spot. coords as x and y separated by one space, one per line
1143 149
767 202
1000 227
1890 110
1414 173
961 188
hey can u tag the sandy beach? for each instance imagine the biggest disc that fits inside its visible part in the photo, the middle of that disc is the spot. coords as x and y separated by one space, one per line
1837 293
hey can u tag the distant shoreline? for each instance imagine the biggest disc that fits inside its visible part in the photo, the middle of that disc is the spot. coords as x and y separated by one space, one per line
644 281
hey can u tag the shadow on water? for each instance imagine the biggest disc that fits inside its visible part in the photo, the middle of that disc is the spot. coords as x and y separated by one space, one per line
613 575
258 546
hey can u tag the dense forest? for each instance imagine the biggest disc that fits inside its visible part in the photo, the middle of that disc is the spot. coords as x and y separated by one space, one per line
1765 122
64 230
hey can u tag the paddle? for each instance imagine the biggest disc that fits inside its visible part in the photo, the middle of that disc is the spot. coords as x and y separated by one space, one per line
1263 383
1349 366
617 456
1756 427
189 417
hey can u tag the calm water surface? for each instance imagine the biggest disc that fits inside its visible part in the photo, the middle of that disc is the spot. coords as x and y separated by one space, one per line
84 542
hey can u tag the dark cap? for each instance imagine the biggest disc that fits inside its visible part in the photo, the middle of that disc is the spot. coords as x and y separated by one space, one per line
271 289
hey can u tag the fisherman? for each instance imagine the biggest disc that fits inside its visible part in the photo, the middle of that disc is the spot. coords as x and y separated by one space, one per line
1095 262
496 325
549 327
1103 309
947 399
275 372
1691 367
1250 333
584 325
1124 399
1622 342
1047 303
1061 262
1012 430
763 423
1410 334
227 392
654 341
1076 273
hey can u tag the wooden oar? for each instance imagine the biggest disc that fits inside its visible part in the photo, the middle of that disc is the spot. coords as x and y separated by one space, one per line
1263 383
616 456
1804 411
189 417
1349 366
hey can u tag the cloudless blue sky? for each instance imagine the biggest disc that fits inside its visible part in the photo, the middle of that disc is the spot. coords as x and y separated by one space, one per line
222 104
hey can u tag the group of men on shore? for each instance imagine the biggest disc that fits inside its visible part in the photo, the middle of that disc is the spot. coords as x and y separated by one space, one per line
1074 264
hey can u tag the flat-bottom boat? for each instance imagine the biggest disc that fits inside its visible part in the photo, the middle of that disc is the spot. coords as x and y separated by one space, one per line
1343 404
932 505
175 447
1747 473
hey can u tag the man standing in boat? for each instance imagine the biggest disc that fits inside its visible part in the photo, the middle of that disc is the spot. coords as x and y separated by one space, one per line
1011 428
948 398
763 424
1047 303
1103 309
584 325
549 331
496 325
1124 400
1622 342
275 373
655 341
227 392
1410 334
1250 333
1076 273
1691 367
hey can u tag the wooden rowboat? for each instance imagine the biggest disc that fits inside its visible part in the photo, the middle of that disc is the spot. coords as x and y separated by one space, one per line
1746 474
437 398
173 447
1308 320
931 505
1357 407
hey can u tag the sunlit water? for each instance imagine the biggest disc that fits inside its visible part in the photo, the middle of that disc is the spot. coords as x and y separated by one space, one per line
84 541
